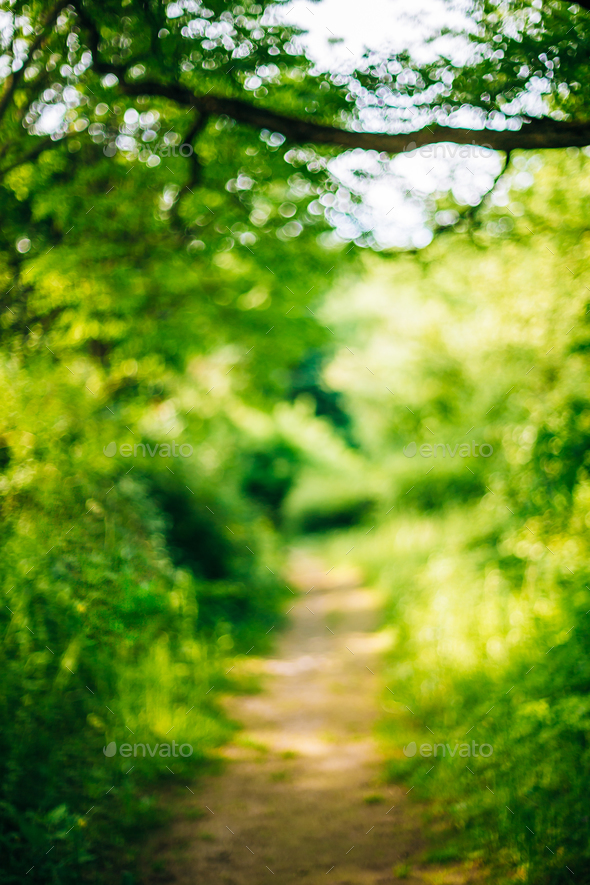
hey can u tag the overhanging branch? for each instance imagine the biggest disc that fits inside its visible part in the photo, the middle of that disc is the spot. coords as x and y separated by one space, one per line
535 135
541 134
538 134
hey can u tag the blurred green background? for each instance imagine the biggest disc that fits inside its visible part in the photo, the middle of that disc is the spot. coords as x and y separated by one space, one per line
157 299
484 561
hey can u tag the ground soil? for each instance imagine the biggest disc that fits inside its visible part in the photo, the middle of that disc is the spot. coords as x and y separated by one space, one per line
301 797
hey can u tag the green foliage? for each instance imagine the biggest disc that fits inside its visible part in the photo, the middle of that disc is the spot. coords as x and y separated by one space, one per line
485 561
162 267
154 300
123 597
525 60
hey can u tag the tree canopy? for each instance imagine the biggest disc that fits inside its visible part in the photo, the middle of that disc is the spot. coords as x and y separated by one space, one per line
522 77
167 234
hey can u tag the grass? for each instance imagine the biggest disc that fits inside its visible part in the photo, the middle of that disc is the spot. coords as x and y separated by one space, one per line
527 707
373 799
206 836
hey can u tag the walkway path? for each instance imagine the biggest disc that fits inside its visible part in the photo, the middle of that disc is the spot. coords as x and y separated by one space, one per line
300 799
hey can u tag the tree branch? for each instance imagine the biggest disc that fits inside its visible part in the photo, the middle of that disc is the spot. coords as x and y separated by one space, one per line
538 134
534 135
195 173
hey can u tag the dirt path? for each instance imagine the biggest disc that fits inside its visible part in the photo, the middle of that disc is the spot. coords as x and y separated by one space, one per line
300 798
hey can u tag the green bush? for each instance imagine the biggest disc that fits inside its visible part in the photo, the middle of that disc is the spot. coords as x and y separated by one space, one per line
486 561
